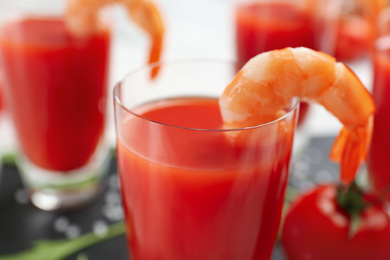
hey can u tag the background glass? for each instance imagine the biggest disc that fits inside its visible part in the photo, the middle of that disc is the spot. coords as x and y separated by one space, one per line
378 167
55 86
264 25
190 189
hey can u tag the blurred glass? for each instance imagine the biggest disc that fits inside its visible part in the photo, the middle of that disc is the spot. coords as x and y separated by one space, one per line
378 165
55 84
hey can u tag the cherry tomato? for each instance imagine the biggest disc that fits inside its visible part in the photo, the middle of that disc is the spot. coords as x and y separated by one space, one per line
317 228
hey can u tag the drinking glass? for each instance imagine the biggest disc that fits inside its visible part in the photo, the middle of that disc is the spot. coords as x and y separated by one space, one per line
355 29
265 25
378 168
55 85
191 189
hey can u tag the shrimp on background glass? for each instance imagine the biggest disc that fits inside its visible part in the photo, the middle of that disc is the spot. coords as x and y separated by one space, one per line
82 19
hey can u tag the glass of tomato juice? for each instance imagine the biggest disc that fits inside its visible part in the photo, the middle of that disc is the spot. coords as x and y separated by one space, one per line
55 85
378 168
190 188
265 25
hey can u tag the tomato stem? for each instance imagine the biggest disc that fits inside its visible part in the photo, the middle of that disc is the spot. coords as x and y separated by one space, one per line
351 199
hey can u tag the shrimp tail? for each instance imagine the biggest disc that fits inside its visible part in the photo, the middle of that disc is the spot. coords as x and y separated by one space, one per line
350 149
146 15
82 19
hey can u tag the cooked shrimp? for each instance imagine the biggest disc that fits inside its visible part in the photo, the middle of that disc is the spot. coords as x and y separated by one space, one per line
82 19
267 83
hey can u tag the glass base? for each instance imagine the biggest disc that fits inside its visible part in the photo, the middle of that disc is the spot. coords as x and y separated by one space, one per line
64 191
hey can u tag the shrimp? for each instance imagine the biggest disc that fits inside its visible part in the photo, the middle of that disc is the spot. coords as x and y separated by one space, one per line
267 83
82 19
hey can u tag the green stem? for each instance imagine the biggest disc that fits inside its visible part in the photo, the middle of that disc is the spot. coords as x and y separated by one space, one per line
60 249
351 199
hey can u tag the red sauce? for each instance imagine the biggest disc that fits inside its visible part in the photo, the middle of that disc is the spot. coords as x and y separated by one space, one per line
353 39
195 194
263 27
56 89
378 159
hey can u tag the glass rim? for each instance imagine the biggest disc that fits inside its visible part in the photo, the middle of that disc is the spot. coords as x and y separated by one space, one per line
294 105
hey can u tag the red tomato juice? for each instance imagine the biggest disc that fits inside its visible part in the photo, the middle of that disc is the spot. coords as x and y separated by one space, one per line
262 27
353 39
56 90
195 194
378 158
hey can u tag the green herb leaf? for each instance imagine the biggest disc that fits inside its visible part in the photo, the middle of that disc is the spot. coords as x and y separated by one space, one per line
62 248
82 257
9 158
